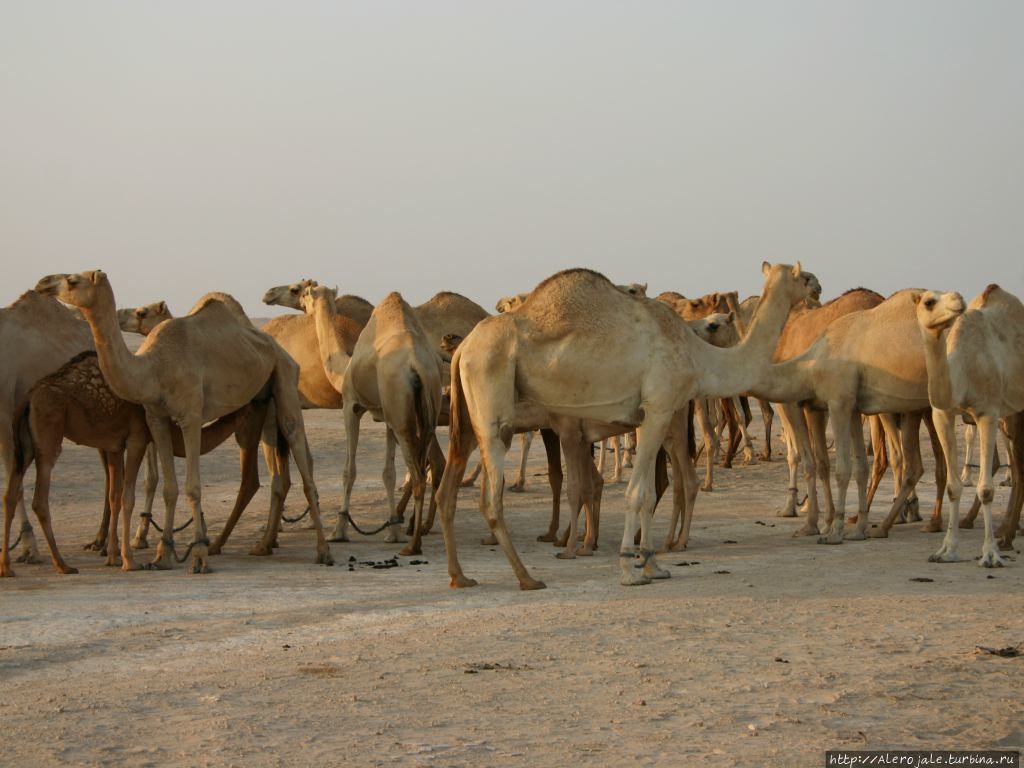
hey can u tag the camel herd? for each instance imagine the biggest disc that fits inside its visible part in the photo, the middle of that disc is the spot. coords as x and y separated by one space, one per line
541 364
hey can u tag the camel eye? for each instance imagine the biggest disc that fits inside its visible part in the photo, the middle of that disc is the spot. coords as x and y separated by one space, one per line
929 303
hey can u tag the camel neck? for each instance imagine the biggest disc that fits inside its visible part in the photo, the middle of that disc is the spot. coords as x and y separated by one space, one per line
940 384
127 374
333 356
735 370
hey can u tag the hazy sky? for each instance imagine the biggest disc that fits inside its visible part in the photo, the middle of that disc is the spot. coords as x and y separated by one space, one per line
473 146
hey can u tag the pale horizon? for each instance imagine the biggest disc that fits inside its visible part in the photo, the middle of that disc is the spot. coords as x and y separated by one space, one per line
479 147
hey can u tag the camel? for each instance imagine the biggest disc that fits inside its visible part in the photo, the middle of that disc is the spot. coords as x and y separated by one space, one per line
38 335
975 362
142 320
869 362
550 354
192 370
394 373
355 307
76 403
970 433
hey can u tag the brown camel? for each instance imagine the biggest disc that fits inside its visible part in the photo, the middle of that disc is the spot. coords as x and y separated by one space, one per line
38 335
550 354
394 373
193 370
76 403
975 360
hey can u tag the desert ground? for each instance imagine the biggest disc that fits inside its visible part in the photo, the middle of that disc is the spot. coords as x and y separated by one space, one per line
762 649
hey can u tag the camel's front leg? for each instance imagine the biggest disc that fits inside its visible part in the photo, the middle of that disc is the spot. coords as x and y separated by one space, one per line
841 416
987 427
640 499
149 484
160 428
137 449
702 414
525 440
29 546
911 468
353 414
115 494
191 432
965 473
945 430
553 451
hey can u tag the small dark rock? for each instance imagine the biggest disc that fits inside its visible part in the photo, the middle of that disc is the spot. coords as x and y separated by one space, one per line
722 571
730 541
922 579
1009 652
781 660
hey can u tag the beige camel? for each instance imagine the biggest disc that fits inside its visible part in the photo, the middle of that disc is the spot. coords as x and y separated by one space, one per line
869 362
578 318
142 320
193 370
975 361
394 373
76 403
38 335
355 307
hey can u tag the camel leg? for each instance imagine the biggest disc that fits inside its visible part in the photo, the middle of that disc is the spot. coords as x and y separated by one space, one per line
616 444
841 417
99 541
191 432
161 431
115 492
945 429
640 500
684 482
801 437
602 450
136 450
768 416
879 455
592 491
575 452
702 414
280 484
1008 531
460 446
630 450
741 424
388 478
149 487
553 450
13 495
468 482
987 427
817 424
965 473
352 418
418 482
29 546
934 523
730 419
247 436
911 472
860 468
525 441
788 413
435 457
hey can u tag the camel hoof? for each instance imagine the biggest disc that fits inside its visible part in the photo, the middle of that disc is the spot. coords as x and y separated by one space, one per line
461 582
830 539
158 565
786 512
991 559
529 584
585 551
516 488
67 570
324 558
656 572
878 532
467 484
131 565
200 567
806 530
93 546
261 550
932 526
489 541
410 550
707 488
967 524
857 534
338 537
1005 545
6 573
563 555
634 580
944 556
140 543
677 546
549 536
29 558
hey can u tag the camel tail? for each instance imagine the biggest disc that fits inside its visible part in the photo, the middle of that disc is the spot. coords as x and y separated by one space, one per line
426 418
24 450
458 417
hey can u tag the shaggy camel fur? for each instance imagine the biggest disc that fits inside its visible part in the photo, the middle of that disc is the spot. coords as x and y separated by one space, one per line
394 373
38 335
76 403
975 359
578 318
869 362
192 370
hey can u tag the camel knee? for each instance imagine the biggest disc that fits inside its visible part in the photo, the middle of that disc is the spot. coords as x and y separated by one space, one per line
986 494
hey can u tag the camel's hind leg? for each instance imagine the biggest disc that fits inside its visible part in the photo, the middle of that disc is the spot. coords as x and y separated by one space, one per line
461 443
149 488
247 436
553 451
1008 530
161 431
702 414
353 415
29 546
136 450
768 415
99 541
910 473
934 523
388 478
945 430
525 441
115 494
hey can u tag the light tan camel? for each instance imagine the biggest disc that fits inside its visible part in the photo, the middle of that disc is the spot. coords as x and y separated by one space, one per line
551 353
142 320
355 307
193 370
38 335
394 373
975 362
76 403
869 362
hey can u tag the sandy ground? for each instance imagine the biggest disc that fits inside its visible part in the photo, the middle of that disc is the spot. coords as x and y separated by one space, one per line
761 649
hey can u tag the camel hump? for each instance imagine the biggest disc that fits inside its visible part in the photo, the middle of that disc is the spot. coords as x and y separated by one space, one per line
221 299
989 290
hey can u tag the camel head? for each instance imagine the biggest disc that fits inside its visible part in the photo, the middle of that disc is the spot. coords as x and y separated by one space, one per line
936 311
634 289
508 303
312 294
143 319
450 343
798 284
718 329
83 289
287 295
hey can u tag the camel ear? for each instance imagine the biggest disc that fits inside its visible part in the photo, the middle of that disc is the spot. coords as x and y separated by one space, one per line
765 268
732 317
797 269
916 296
162 307
97 276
